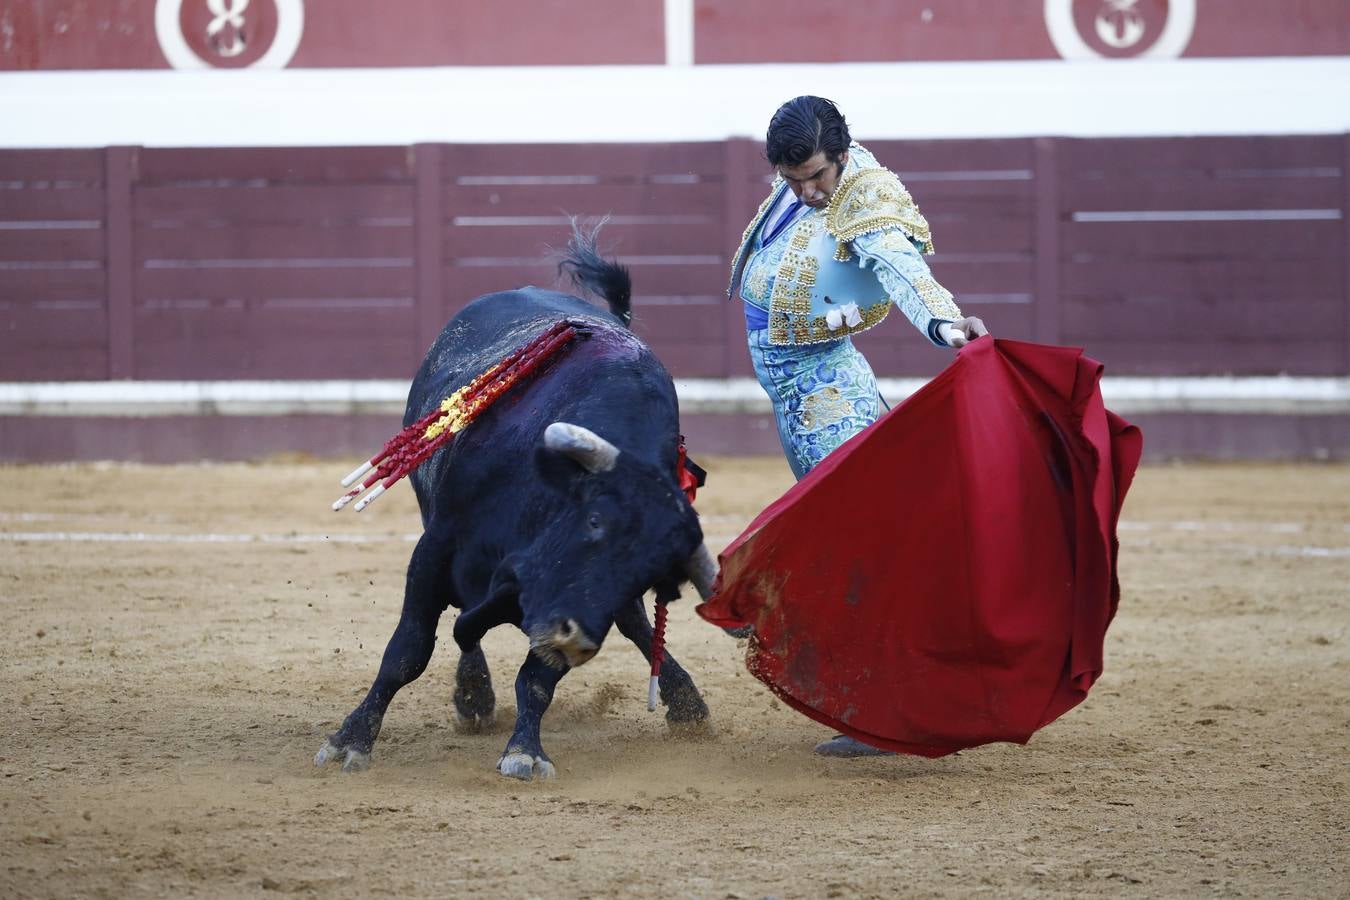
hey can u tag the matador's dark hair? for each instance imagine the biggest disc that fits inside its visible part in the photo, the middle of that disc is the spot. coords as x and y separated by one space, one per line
803 127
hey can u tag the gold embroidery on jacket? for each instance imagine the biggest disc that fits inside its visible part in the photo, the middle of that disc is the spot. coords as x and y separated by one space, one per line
937 298
872 200
748 235
757 283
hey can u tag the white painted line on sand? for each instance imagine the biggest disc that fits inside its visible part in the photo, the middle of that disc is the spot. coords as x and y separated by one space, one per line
141 537
1305 551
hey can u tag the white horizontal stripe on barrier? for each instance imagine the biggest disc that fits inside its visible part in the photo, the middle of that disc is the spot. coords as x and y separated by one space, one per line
530 104
1277 395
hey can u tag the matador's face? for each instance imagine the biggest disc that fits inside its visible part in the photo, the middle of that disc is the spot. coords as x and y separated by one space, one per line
814 181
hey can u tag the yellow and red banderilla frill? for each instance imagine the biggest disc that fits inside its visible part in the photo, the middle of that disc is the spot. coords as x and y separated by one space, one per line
412 446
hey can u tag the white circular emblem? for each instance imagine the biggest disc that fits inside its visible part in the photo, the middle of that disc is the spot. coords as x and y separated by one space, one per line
1119 25
169 31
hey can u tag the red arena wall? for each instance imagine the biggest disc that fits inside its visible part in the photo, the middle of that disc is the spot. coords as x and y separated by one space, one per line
747 31
145 34
1176 256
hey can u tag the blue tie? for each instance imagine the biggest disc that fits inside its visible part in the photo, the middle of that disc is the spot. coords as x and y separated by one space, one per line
783 221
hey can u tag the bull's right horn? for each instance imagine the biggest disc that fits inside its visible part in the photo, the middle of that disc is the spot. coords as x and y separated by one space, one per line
589 449
702 571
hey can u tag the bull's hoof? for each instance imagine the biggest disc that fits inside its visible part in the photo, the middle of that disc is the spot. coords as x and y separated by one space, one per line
475 724
525 767
352 760
685 708
475 703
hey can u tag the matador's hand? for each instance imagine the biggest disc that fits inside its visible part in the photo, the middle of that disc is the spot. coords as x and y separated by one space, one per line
961 332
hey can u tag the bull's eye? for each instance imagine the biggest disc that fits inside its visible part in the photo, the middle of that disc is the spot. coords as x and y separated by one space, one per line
595 524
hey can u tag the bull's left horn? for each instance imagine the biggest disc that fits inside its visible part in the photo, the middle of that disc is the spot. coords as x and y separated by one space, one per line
702 570
583 445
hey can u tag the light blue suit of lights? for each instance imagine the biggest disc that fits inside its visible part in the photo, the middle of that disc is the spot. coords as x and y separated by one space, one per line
830 273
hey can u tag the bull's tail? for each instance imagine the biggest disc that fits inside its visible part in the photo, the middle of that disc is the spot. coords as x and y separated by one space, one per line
603 277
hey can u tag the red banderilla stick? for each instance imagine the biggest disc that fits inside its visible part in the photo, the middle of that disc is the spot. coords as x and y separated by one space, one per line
658 654
408 449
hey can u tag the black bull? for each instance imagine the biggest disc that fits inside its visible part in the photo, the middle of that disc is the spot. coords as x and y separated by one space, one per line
555 511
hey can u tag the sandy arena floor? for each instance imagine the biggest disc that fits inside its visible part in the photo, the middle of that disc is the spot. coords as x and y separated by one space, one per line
179 640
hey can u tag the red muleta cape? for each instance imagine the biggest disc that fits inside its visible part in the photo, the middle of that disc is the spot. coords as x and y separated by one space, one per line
945 578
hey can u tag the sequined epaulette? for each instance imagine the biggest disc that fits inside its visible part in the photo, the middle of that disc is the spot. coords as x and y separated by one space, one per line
872 200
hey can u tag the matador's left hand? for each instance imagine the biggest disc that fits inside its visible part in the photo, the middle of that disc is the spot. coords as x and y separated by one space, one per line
962 331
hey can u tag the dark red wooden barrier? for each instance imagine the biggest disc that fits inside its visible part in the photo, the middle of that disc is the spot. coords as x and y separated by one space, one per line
1160 256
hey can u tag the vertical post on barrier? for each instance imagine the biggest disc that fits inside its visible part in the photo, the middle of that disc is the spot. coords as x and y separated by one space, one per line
428 218
1046 325
1345 251
119 165
738 204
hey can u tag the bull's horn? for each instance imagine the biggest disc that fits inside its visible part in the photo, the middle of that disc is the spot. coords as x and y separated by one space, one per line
583 445
702 570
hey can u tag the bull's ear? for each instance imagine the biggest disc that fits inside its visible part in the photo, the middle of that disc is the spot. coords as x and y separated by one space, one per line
585 447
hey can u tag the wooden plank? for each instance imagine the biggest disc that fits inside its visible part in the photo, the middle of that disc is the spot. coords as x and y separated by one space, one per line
896 349
66 167
973 205
1007 320
465 283
611 161
1211 320
240 343
661 235
922 160
1180 356
897 336
275 324
75 246
53 343
1114 157
261 283
264 241
981 277
280 204
278 165
371 357
987 234
495 200
1303 240
117 229
537 241
972 198
72 285
690 360
1171 190
81 204
659 323
1238 278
